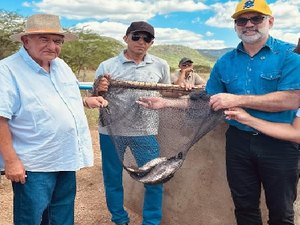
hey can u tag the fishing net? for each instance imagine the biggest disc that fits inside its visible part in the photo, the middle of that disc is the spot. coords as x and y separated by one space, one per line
174 130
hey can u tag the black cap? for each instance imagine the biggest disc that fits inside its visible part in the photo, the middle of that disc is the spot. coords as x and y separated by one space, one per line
184 60
140 26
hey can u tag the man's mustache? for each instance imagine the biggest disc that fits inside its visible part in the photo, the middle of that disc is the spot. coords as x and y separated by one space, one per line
250 29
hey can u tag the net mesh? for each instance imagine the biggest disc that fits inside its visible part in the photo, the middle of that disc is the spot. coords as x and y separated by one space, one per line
152 144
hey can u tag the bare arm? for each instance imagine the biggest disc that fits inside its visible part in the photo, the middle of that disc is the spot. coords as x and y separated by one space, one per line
284 131
159 103
272 102
14 169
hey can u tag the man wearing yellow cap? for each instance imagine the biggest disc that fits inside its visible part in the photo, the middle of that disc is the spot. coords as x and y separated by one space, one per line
262 75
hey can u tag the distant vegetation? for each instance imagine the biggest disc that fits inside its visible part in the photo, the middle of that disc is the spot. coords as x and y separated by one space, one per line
173 53
88 51
9 23
214 54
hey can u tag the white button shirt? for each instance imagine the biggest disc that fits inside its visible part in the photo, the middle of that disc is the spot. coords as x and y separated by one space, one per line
46 116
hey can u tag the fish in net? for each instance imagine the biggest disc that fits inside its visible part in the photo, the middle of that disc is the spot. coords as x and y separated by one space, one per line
170 132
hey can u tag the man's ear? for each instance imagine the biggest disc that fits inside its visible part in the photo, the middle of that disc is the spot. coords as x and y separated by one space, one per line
125 38
271 21
24 40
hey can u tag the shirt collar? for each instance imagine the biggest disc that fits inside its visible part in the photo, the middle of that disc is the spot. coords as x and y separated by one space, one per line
30 62
269 44
147 58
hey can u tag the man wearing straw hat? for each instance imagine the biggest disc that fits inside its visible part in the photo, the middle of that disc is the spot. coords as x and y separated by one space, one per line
44 132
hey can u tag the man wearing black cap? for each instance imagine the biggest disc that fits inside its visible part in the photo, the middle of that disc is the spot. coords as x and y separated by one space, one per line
132 64
186 74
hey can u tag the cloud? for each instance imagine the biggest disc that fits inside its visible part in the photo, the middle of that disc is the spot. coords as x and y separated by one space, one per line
286 26
197 20
116 10
167 6
289 37
111 18
186 38
209 34
112 10
26 4
222 15
109 29
286 14
163 35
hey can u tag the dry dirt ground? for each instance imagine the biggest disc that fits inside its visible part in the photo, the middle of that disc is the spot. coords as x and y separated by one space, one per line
90 200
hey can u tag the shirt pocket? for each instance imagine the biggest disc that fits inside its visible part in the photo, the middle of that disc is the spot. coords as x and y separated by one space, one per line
232 84
269 81
71 90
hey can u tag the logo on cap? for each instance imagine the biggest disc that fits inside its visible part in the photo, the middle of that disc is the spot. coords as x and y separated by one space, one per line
248 4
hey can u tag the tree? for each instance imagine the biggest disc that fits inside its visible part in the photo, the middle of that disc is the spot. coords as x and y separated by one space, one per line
10 23
88 51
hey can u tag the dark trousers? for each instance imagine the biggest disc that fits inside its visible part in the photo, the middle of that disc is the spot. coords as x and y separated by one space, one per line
253 160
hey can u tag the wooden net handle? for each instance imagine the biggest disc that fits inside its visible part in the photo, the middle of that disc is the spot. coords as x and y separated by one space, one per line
150 86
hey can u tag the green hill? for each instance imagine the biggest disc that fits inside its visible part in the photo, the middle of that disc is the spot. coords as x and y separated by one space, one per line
173 53
214 54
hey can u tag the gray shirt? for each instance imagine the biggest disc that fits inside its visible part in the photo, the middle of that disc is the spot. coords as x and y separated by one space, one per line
127 118
192 78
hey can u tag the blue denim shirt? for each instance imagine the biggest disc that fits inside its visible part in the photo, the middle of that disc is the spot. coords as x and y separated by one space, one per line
274 68
45 113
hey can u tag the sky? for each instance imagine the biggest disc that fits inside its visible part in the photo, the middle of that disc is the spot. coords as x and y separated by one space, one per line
198 24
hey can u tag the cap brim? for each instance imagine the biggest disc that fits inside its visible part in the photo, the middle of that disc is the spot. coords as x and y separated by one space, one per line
237 14
190 61
142 31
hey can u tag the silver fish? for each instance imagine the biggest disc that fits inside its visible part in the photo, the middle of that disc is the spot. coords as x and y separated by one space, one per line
148 166
161 172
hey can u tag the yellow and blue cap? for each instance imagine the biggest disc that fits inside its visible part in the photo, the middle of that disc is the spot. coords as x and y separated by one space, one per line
260 6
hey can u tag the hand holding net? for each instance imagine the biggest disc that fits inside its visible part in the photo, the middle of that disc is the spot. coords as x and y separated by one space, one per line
152 144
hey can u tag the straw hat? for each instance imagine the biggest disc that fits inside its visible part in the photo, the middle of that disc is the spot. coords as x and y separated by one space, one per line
43 24
260 6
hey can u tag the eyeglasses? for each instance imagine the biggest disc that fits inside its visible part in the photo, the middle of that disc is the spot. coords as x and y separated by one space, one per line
254 20
146 38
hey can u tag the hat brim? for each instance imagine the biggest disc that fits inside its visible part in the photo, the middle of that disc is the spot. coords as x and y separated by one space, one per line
67 35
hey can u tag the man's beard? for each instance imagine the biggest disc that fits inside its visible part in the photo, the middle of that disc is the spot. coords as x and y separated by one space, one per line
260 33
